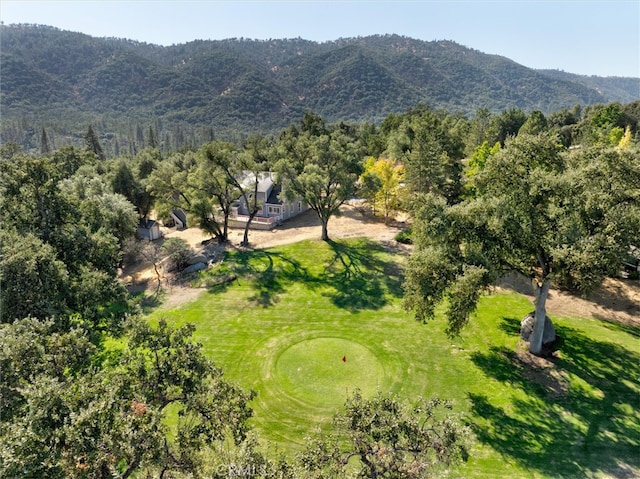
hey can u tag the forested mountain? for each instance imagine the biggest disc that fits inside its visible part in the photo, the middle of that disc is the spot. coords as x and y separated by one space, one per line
201 90
620 89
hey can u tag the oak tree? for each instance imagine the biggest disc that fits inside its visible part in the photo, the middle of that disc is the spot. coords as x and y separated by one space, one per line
322 170
69 411
71 229
389 439
567 217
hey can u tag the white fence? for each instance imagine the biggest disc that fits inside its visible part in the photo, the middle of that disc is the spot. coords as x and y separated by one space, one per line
258 222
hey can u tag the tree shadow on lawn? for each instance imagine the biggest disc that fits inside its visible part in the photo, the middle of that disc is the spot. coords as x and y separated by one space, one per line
616 326
580 415
359 276
267 272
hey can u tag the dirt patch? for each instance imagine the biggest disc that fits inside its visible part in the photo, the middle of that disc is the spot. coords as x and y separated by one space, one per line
541 371
616 301
352 223
178 295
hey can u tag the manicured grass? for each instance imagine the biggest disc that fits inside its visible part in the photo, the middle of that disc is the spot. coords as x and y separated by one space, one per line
284 325
319 371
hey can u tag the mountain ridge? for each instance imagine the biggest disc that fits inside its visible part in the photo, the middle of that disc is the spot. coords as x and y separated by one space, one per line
51 75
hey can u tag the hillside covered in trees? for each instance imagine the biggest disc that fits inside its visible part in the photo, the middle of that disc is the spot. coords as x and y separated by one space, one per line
138 94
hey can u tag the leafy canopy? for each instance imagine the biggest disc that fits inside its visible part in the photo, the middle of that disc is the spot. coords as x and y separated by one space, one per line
389 439
71 411
544 212
319 166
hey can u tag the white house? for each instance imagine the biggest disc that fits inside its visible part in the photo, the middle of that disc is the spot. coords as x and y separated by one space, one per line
273 209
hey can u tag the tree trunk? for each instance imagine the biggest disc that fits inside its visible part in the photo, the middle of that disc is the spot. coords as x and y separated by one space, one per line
541 291
131 469
158 277
245 238
225 229
325 233
370 465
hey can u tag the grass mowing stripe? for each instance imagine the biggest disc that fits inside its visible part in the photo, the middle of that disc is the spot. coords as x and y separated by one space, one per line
576 417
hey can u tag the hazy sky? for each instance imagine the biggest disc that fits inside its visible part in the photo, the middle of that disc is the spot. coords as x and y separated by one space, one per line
577 36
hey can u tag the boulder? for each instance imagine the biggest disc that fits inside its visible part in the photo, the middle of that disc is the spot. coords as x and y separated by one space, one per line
198 258
167 265
195 267
526 328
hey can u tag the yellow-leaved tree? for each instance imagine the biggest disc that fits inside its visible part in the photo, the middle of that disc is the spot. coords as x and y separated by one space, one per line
381 184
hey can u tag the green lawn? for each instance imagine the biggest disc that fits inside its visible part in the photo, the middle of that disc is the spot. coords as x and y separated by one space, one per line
305 324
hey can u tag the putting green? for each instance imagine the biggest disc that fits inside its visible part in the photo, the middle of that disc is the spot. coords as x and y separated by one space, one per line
323 371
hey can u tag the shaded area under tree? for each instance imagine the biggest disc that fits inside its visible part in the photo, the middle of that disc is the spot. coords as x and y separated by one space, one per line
584 399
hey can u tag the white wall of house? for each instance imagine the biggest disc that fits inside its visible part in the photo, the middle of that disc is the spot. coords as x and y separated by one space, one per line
280 210
179 218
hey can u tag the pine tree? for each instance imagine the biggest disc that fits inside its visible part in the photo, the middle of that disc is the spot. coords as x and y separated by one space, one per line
152 142
45 148
93 144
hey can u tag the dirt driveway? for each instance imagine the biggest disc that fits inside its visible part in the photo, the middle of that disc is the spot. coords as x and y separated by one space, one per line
351 224
617 300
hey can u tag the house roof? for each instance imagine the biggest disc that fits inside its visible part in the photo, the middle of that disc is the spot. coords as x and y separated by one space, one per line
180 214
265 180
146 223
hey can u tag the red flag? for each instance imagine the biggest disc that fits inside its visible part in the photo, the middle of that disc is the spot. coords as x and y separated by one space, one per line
344 359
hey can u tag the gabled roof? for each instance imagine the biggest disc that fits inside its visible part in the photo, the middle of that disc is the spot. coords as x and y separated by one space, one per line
266 180
180 214
146 223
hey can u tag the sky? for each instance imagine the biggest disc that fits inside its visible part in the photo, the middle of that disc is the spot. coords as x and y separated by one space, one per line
588 37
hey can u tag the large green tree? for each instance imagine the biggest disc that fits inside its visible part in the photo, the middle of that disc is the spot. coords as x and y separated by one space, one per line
535 124
214 188
429 168
321 169
243 170
567 217
32 281
196 183
389 439
507 124
128 179
63 232
69 412
168 183
429 144
93 144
